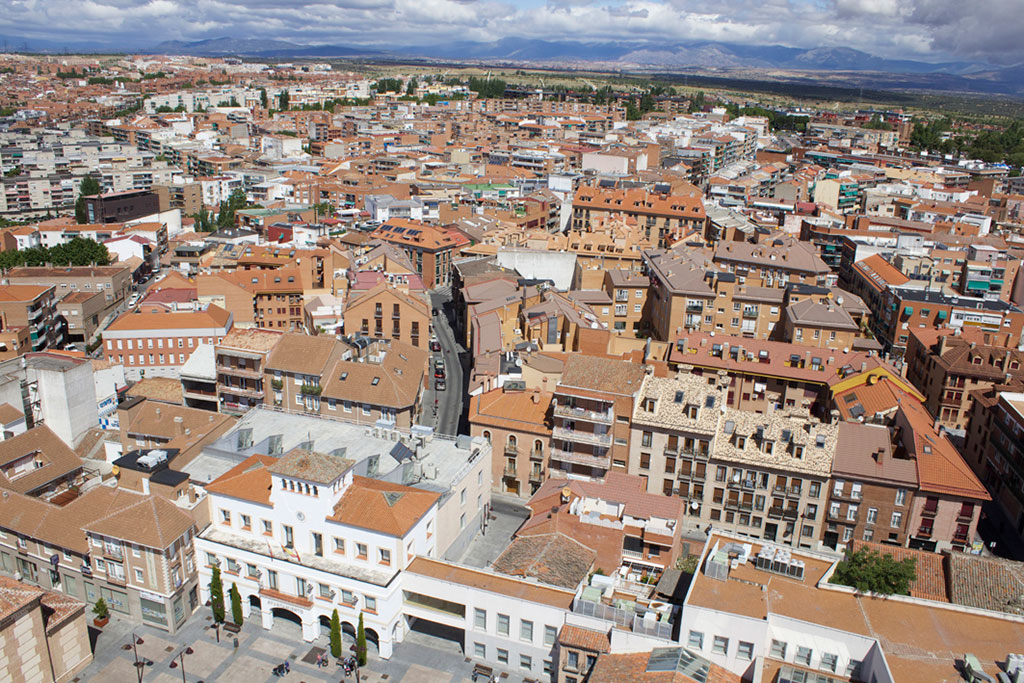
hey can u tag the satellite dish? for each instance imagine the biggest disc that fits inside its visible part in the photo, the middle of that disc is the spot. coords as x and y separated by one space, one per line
694 505
115 470
566 492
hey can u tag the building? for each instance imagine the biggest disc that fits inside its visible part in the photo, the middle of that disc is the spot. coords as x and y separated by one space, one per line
302 535
114 281
241 358
663 218
44 635
520 423
819 325
118 207
948 366
590 410
431 249
157 344
32 307
995 453
386 312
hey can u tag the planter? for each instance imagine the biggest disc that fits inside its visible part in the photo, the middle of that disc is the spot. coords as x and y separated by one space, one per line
100 623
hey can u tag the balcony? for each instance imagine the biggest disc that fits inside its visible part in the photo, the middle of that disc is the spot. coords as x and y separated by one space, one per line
692 308
509 472
927 511
537 476
599 461
537 455
750 314
240 391
236 371
511 449
577 436
113 552
571 412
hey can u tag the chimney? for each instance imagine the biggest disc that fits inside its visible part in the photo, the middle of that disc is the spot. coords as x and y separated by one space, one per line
179 425
158 411
863 366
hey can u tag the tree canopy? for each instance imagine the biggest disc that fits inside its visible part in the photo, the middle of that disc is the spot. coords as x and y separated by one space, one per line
77 252
870 571
88 187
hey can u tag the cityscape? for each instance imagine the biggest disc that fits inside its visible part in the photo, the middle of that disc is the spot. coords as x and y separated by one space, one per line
519 361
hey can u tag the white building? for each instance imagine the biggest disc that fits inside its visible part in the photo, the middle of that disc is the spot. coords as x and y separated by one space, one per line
302 536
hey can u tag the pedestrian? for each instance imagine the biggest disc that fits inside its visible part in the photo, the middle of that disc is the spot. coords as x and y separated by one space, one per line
287 667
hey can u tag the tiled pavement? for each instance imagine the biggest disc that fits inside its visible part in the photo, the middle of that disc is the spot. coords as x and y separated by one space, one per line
416 660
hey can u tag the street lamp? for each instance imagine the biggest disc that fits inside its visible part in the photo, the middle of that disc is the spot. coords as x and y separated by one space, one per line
181 658
139 663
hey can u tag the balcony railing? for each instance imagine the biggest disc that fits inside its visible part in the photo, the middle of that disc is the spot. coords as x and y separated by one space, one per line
511 449
600 461
582 437
537 475
250 373
605 417
113 552
537 455
929 512
510 472
240 391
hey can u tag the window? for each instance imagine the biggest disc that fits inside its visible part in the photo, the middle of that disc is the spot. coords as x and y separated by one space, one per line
803 655
225 517
814 490
526 631
250 570
745 650
550 634
339 545
301 587
289 538
897 520
138 575
385 556
503 624
851 513
502 656
268 527
325 591
361 551
778 650
872 515
720 645
525 662
348 597
572 661
901 496
480 619
829 661
246 522
695 640
370 603
479 650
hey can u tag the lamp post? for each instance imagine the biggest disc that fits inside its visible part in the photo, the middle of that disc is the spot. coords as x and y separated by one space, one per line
181 658
139 663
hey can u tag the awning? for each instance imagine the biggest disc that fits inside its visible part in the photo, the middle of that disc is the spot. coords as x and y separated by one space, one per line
941 315
908 310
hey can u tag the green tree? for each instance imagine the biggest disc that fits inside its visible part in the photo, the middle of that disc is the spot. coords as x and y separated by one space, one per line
263 98
226 214
410 87
632 113
236 604
217 596
870 571
387 85
361 642
88 187
100 609
203 221
282 98
335 634
697 102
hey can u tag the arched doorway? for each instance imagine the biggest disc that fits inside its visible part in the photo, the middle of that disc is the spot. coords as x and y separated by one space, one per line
287 615
254 603
372 641
325 626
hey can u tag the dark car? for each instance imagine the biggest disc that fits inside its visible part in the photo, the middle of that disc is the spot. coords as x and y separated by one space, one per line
439 384
435 345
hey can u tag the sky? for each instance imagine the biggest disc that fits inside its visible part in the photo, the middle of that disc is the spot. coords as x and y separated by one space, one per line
926 30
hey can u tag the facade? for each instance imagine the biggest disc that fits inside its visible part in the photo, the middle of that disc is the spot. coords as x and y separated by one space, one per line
118 207
157 344
33 307
303 534
241 358
591 411
663 218
114 281
517 424
384 312
430 249
995 453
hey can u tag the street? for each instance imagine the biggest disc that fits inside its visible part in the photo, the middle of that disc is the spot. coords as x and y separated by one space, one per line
448 419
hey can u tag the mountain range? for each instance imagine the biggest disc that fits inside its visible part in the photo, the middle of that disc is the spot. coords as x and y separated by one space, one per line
844 66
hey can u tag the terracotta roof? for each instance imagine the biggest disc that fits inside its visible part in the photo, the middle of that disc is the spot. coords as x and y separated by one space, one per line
880 272
618 487
395 382
9 414
152 521
214 317
320 468
302 354
157 419
58 608
633 667
940 468
494 583
865 451
601 374
164 389
930 583
554 559
987 583
381 506
584 638
22 292
250 339
525 411
53 458
15 596
248 480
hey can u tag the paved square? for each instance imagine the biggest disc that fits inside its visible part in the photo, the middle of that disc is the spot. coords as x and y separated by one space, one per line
153 647
421 674
204 659
245 669
272 648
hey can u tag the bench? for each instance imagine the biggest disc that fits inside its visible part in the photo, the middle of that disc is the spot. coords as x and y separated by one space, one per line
231 628
482 670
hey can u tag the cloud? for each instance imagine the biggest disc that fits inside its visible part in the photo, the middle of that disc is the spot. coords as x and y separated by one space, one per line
930 30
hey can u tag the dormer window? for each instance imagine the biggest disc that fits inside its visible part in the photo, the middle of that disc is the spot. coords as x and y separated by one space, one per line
679 397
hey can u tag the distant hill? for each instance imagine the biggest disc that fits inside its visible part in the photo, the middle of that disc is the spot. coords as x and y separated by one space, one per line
254 47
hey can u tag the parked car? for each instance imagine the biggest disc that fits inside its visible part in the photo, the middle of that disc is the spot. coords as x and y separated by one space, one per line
434 344
439 368
439 384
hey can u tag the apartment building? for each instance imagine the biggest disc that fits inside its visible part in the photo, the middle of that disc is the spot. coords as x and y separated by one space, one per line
387 312
33 307
520 423
763 475
302 535
157 344
114 281
663 218
44 635
629 292
118 207
948 366
591 412
133 550
776 263
994 451
819 325
430 248
241 358
872 489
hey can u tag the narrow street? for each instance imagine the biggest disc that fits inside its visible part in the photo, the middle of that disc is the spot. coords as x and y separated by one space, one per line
449 417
